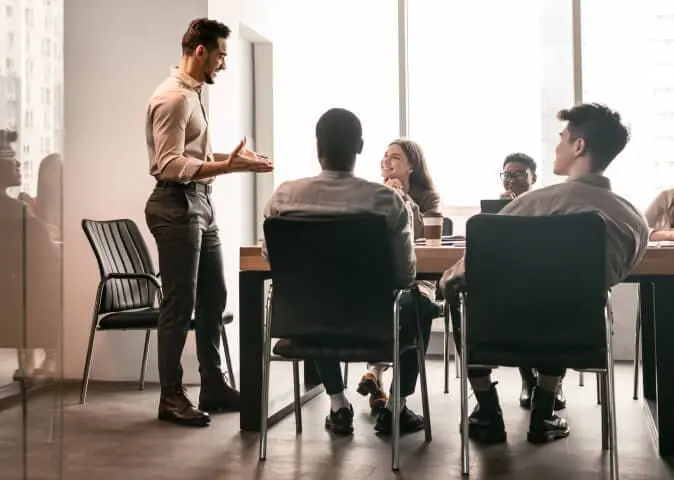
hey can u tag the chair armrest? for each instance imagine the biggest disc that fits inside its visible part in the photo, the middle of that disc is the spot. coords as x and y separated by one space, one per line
413 288
133 276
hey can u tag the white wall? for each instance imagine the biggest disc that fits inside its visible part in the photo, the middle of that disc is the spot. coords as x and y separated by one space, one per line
115 55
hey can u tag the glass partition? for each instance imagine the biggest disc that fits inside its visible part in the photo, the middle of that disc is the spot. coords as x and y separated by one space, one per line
31 166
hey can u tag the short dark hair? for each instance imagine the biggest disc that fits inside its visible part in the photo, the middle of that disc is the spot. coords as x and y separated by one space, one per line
602 130
206 32
339 137
521 158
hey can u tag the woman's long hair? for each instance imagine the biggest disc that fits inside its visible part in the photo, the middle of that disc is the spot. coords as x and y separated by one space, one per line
420 178
50 190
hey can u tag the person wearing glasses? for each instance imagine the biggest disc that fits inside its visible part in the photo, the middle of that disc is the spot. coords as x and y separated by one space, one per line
518 177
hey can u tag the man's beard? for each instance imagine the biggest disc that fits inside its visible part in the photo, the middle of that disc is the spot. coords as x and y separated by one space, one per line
208 79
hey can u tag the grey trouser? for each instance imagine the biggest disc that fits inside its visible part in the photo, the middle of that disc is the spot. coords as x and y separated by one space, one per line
182 222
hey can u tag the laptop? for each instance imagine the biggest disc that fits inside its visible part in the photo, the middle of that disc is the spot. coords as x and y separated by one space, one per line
493 206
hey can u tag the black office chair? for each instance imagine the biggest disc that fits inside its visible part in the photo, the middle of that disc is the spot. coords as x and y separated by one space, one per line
447 227
536 295
129 290
333 297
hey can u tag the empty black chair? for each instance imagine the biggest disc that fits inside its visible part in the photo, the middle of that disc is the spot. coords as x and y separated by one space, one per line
333 297
536 295
129 290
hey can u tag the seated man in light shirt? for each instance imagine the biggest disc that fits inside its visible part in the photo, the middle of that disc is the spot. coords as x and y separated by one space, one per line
336 191
594 135
660 217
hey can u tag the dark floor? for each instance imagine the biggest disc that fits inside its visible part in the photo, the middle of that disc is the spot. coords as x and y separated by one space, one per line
115 436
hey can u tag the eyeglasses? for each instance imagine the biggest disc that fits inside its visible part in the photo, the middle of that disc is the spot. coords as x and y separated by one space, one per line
521 175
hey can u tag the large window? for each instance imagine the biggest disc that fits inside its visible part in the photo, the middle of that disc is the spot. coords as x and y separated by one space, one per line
345 55
486 79
31 97
628 63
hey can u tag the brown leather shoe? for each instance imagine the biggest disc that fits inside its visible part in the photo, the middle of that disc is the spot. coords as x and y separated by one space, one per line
370 385
218 397
175 407
378 402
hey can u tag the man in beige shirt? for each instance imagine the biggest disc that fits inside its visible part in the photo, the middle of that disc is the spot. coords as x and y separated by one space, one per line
180 216
337 191
593 137
660 216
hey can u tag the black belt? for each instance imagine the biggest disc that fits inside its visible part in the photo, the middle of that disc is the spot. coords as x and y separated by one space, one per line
192 186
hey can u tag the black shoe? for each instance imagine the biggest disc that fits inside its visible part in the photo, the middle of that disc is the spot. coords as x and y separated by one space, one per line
410 422
485 423
341 421
175 407
560 399
525 395
216 397
544 425
528 384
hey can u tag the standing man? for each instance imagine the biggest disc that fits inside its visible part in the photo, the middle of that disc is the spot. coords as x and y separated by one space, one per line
180 216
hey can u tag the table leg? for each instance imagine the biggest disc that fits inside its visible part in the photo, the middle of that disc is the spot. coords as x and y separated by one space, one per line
664 362
251 335
647 306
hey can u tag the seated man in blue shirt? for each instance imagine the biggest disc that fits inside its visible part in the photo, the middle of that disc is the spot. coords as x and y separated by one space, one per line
336 191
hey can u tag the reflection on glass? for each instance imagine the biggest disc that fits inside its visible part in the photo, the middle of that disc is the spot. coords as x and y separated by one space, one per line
31 133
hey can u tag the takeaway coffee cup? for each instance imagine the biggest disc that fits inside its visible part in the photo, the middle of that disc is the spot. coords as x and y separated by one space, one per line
433 229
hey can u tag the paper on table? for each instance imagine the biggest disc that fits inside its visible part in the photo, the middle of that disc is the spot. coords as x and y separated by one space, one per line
661 244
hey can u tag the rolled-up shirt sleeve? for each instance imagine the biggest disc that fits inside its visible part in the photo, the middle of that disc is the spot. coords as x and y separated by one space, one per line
169 115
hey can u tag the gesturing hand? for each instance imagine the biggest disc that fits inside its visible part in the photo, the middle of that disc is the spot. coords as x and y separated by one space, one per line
244 160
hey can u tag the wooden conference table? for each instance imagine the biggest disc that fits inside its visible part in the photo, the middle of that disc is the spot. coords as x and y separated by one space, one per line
655 276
